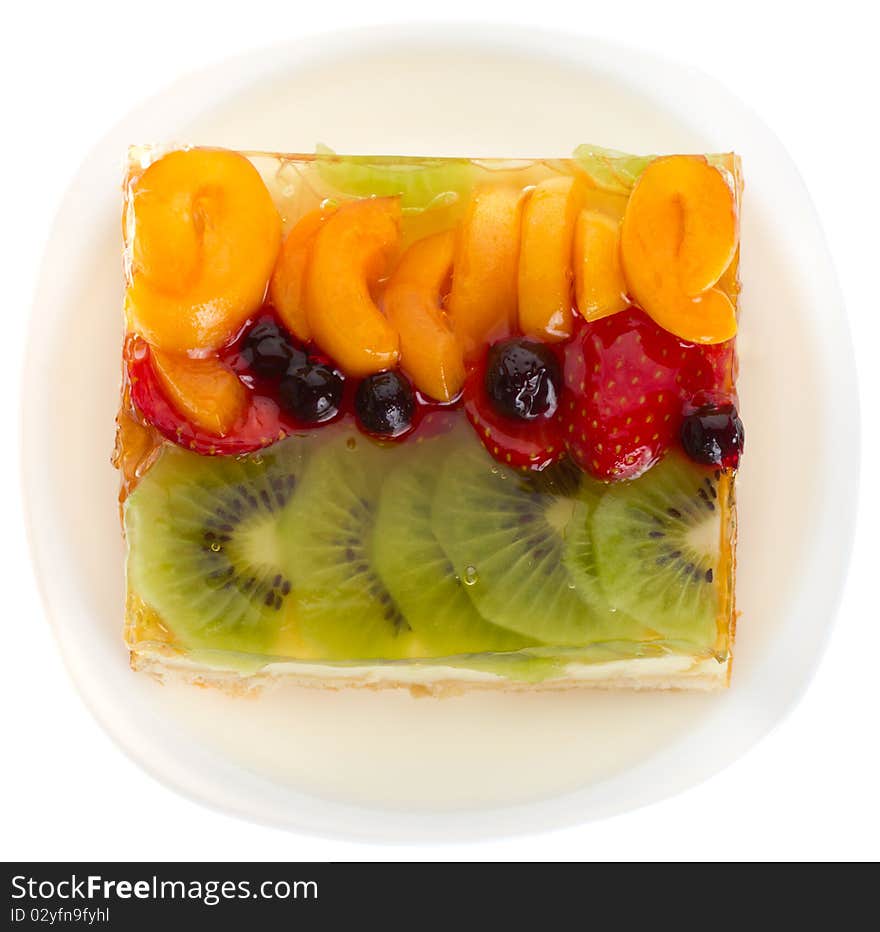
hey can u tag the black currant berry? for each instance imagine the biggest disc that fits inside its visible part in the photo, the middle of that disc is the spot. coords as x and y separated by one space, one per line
268 351
311 393
385 404
713 435
523 379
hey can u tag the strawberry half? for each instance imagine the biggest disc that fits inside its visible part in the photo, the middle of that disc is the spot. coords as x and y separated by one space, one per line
261 424
626 380
533 444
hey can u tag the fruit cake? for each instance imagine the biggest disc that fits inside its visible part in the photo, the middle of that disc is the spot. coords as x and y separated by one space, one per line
440 424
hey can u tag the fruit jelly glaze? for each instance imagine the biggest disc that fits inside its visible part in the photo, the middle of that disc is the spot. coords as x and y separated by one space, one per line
328 545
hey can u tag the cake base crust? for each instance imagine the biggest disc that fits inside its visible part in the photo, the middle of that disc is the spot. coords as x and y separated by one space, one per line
671 672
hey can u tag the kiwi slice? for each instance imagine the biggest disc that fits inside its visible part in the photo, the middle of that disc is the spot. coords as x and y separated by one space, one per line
578 552
203 545
658 541
345 611
609 623
415 568
421 183
505 532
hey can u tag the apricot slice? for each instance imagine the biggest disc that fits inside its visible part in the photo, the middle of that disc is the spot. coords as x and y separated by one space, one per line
429 351
204 240
482 303
204 391
600 287
678 236
707 318
287 287
545 273
351 253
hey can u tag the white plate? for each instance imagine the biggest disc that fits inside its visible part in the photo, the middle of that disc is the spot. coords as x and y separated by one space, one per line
386 766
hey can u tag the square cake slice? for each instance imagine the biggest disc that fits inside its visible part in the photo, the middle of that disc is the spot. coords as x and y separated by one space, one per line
439 424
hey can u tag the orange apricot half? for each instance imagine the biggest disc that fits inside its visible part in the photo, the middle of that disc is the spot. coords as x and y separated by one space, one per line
205 234
600 287
429 351
679 235
204 391
482 303
545 273
287 287
708 318
350 254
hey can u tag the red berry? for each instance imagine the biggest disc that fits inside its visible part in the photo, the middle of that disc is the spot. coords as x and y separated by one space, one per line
711 367
532 444
626 379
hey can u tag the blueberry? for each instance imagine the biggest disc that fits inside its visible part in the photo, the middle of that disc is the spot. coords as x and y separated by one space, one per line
311 392
268 350
385 403
714 435
523 379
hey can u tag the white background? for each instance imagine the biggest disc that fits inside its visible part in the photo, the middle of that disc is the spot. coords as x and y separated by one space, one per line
69 71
